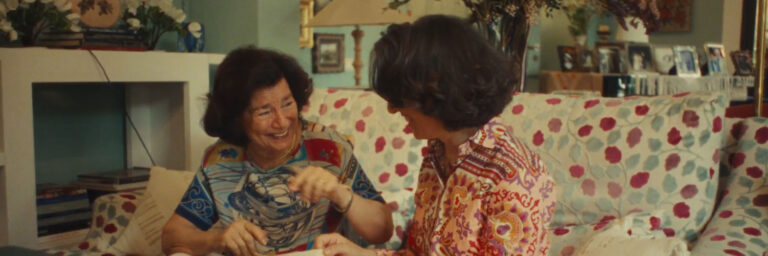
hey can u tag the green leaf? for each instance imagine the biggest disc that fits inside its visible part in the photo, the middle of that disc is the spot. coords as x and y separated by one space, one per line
702 173
760 242
735 234
594 144
579 121
548 143
564 140
589 217
746 182
704 137
388 158
657 122
743 201
635 197
689 140
701 216
416 142
689 167
737 223
695 103
669 184
409 180
652 196
121 221
761 156
604 204
412 158
111 212
527 124
675 109
578 204
575 153
597 171
711 190
746 145
691 235
613 137
654 144
624 112
651 163
597 110
102 207
632 161
614 171
753 212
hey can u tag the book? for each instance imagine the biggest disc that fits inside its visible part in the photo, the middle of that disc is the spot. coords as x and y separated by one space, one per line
63 227
113 187
115 177
51 190
63 206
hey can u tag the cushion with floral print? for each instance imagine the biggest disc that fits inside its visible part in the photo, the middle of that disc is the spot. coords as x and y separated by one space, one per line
740 223
615 156
383 144
111 214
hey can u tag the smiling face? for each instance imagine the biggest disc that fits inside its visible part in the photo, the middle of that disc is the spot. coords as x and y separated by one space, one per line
423 126
271 122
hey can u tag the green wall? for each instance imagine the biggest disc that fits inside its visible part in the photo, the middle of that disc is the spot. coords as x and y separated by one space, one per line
706 26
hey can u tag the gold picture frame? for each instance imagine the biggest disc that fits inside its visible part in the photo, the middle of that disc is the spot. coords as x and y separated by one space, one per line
306 11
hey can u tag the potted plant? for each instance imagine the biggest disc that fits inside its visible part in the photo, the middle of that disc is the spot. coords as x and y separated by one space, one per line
24 20
153 18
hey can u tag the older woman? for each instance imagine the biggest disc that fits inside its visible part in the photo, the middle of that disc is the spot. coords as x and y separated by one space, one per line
481 191
273 181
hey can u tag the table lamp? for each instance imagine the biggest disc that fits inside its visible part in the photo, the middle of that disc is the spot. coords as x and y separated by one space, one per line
356 13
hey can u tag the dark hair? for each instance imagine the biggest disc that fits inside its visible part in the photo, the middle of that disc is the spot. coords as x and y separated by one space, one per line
444 65
242 72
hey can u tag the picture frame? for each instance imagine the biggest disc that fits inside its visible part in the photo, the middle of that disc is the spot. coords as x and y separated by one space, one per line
306 13
586 60
715 57
686 61
663 58
742 62
609 59
640 58
328 53
676 17
568 57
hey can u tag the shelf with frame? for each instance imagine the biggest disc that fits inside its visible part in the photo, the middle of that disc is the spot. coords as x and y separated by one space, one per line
164 96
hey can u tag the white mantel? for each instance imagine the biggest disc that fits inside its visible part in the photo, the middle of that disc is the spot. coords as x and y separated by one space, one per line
164 96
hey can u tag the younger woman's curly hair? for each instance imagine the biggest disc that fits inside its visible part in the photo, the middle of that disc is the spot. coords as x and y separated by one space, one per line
242 72
444 66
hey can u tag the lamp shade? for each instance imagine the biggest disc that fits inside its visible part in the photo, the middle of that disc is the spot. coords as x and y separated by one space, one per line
357 12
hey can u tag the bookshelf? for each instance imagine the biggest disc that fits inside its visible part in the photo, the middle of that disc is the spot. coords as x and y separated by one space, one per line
164 97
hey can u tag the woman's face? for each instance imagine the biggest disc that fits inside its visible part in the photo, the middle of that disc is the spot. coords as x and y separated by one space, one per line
423 126
271 122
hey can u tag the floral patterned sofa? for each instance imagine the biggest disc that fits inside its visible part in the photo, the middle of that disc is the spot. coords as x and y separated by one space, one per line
673 163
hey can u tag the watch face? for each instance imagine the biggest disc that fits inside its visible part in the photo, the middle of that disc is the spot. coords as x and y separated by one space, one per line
97 13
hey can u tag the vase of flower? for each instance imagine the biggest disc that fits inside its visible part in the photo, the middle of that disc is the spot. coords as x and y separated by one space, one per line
153 18
25 20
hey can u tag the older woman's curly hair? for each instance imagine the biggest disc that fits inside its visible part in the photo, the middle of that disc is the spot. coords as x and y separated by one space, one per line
446 67
242 72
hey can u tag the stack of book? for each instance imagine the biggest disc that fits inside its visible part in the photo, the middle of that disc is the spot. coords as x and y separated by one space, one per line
130 180
61 208
94 39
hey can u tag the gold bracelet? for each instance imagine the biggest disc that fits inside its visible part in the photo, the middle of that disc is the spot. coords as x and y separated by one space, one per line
349 203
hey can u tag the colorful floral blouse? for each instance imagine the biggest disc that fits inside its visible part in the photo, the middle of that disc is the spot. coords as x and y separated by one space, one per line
498 200
230 186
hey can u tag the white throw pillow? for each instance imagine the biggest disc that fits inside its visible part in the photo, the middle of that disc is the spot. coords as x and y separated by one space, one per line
144 231
616 240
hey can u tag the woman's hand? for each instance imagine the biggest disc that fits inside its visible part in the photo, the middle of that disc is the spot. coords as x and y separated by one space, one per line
240 237
336 244
316 183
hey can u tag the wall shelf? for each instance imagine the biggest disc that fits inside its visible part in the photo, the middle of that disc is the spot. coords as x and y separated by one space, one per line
164 97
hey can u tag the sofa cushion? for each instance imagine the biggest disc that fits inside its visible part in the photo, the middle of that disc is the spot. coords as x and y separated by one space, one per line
143 234
611 157
740 224
383 144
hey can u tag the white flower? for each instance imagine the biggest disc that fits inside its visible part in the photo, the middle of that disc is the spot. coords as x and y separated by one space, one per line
3 10
166 6
75 28
46 1
178 15
62 5
153 3
132 5
73 16
13 35
12 4
195 28
134 22
5 26
29 1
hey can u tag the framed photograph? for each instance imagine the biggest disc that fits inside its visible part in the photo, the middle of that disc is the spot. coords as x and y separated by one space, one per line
609 60
586 60
663 58
328 53
686 61
716 64
676 16
640 58
306 11
742 61
568 57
